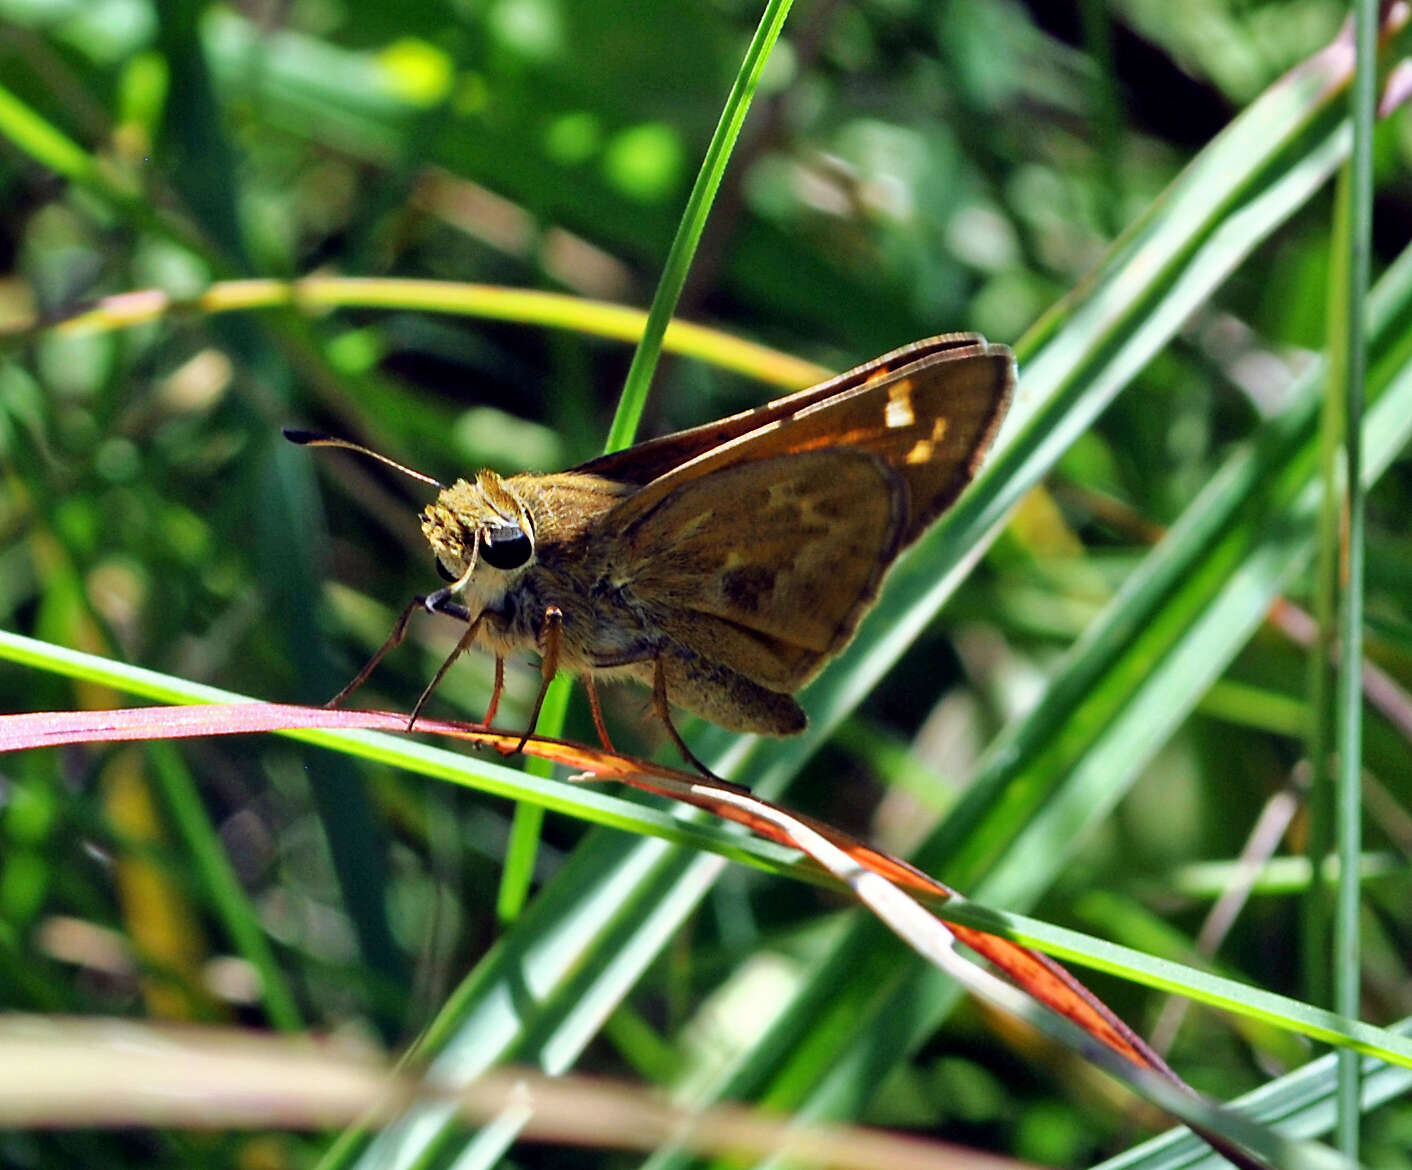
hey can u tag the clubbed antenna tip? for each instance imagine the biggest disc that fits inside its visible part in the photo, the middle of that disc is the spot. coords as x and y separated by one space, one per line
319 439
305 438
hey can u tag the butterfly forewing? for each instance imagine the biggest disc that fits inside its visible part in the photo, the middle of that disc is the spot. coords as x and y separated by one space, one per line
938 419
786 530
931 420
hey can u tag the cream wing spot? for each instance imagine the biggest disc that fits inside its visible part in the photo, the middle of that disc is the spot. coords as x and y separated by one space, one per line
898 411
924 450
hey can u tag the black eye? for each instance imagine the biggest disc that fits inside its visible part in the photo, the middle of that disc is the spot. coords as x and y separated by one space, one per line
442 571
506 548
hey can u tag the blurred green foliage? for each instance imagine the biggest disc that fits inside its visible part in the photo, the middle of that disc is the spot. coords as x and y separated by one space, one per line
909 168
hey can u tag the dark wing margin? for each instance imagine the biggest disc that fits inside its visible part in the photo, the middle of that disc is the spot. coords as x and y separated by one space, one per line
931 420
647 461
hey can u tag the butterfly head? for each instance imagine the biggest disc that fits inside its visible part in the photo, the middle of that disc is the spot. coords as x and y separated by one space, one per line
482 535
481 530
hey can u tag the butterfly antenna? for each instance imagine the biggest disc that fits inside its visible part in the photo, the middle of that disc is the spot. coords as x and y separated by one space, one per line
319 439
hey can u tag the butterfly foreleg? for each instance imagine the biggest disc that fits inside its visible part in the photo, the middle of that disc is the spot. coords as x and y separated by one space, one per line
394 639
461 647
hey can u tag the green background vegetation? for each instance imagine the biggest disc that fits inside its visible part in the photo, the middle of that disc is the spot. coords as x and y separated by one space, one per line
908 168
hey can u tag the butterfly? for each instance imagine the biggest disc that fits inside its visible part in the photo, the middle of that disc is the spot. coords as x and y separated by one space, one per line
725 565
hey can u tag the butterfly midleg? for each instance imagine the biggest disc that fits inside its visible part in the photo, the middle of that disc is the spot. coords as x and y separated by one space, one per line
495 692
551 641
597 708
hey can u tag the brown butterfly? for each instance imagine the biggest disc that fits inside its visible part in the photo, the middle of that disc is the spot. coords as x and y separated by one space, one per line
724 565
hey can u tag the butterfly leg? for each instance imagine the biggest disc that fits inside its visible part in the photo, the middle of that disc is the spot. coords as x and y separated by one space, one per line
664 713
461 647
438 602
593 705
495 693
551 640
394 639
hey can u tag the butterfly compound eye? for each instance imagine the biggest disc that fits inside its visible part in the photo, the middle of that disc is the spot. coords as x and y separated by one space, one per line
442 571
506 548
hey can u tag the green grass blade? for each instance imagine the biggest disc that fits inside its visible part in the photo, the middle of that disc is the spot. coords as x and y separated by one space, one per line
584 802
520 863
584 943
1271 160
1245 566
183 802
1349 725
693 223
29 132
1121 692
1303 1104
523 846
